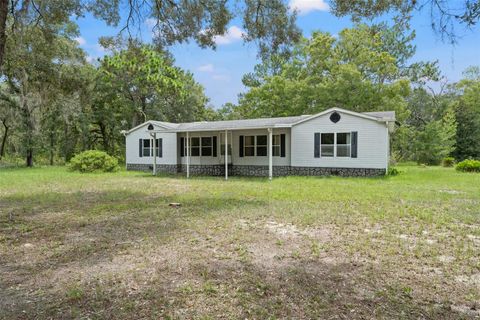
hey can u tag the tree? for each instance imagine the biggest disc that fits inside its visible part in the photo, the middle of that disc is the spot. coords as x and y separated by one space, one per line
268 23
436 140
444 15
33 71
357 71
7 116
146 79
468 116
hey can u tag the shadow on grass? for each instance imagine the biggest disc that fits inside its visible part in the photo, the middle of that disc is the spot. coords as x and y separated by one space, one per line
84 229
215 289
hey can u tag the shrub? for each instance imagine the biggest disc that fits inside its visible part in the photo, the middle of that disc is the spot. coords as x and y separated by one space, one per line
448 162
93 161
393 172
468 166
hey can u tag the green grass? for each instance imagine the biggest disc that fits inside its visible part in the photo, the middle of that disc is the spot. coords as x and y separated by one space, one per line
105 246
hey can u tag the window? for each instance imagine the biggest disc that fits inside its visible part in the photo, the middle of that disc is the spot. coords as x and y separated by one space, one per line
195 146
146 148
276 145
343 144
158 148
327 144
200 146
261 146
206 146
249 146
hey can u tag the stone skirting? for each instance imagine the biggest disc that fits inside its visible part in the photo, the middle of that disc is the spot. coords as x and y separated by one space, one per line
163 168
257 171
205 169
343 172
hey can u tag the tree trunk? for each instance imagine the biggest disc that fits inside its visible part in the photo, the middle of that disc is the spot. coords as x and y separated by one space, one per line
52 144
103 132
29 161
3 26
4 140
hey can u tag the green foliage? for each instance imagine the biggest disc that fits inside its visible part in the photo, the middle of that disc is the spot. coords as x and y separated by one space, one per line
467 112
448 162
357 71
468 165
392 171
93 161
436 140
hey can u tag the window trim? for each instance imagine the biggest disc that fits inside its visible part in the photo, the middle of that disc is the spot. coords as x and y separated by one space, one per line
279 145
200 146
210 147
245 146
346 144
335 145
255 145
261 145
149 148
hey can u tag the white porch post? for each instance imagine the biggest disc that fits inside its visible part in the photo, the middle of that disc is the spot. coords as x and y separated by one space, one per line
188 156
226 155
270 159
155 153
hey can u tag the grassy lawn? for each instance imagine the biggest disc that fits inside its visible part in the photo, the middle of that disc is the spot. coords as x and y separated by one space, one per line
103 246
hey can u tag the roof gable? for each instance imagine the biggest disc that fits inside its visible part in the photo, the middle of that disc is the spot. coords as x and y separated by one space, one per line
374 116
161 124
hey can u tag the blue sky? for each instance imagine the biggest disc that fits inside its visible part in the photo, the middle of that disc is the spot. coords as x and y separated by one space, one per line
220 71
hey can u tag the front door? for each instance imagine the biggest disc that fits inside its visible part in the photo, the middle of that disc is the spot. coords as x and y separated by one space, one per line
222 147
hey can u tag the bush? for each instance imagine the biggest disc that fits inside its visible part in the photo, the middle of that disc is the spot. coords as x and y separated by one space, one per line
93 161
448 162
468 166
393 172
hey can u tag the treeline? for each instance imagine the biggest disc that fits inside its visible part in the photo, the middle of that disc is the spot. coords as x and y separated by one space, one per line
368 68
54 104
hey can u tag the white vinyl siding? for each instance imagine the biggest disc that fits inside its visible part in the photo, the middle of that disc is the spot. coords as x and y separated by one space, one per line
169 146
372 142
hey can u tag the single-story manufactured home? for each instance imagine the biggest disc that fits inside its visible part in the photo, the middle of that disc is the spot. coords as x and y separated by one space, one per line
332 142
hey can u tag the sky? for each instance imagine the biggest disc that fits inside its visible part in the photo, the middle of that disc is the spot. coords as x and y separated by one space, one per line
220 71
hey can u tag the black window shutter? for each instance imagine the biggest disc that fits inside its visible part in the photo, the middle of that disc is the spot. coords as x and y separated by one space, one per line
354 138
282 145
140 146
241 146
214 146
317 145
160 147
182 147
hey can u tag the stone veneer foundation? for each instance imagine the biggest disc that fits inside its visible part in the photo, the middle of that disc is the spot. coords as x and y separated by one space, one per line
257 171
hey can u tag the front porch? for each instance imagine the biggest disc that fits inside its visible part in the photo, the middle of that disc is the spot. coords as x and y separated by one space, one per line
215 153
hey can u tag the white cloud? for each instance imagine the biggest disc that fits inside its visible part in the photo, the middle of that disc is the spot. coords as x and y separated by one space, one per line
99 48
206 68
221 77
150 22
233 34
305 6
91 59
80 40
